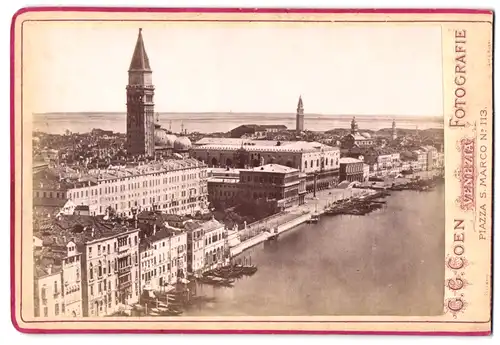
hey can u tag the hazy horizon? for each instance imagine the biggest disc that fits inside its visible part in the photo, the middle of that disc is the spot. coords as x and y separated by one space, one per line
124 113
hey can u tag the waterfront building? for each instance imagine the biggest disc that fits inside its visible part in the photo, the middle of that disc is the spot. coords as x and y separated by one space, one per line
273 182
102 254
431 156
163 257
439 161
285 185
195 248
214 238
355 139
351 169
420 159
224 186
299 117
110 270
173 186
320 162
140 104
380 160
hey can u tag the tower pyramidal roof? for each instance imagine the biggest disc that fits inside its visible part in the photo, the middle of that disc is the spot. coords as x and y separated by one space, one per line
300 105
140 60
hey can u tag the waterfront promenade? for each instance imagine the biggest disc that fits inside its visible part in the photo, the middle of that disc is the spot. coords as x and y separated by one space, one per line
261 231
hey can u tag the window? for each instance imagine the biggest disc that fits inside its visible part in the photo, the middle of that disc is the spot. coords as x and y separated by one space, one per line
100 268
45 311
90 252
56 311
91 271
55 287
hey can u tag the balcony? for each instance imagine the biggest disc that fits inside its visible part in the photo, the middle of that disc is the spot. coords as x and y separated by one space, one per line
124 270
123 248
125 284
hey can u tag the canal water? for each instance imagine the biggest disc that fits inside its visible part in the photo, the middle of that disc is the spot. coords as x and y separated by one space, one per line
390 262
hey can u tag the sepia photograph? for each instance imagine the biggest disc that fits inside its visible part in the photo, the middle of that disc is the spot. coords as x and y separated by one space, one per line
216 169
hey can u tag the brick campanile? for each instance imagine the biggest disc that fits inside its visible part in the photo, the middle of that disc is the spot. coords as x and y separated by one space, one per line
140 106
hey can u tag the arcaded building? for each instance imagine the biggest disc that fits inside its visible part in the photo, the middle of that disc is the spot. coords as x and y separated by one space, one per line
320 162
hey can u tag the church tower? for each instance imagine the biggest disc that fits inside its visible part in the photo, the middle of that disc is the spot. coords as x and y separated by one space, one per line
394 132
299 118
140 106
354 126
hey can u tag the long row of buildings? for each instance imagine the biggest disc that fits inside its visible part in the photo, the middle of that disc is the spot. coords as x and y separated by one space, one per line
285 170
90 266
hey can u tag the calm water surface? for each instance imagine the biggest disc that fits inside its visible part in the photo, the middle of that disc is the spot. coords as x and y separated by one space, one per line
215 122
389 262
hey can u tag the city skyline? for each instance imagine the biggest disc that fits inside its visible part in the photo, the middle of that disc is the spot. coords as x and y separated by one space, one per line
179 70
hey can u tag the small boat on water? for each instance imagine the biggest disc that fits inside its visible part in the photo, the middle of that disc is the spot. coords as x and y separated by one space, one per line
213 280
314 218
247 270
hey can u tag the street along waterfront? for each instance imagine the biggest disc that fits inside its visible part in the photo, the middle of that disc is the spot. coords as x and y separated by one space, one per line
389 262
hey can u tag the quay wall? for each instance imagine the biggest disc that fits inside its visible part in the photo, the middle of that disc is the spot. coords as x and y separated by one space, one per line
239 248
293 223
263 236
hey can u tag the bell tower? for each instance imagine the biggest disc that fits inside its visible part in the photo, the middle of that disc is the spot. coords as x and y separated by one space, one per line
394 132
140 106
299 117
354 126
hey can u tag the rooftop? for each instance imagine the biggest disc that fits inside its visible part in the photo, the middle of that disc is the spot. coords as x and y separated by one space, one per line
80 229
223 180
347 160
63 177
265 146
276 168
160 234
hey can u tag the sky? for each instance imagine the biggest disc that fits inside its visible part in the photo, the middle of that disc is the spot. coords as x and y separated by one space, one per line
365 69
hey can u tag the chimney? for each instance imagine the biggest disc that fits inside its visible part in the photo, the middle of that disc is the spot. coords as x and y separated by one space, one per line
49 269
92 233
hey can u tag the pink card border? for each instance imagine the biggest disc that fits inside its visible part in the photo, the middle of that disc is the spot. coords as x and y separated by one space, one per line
188 10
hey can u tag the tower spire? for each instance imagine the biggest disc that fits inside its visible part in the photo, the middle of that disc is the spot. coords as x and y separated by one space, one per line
394 131
140 60
354 126
299 117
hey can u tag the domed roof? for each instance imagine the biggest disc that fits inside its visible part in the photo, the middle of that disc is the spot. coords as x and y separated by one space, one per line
182 143
366 135
163 139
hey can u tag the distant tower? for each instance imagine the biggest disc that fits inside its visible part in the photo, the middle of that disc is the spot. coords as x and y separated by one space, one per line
299 120
394 131
140 106
354 126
